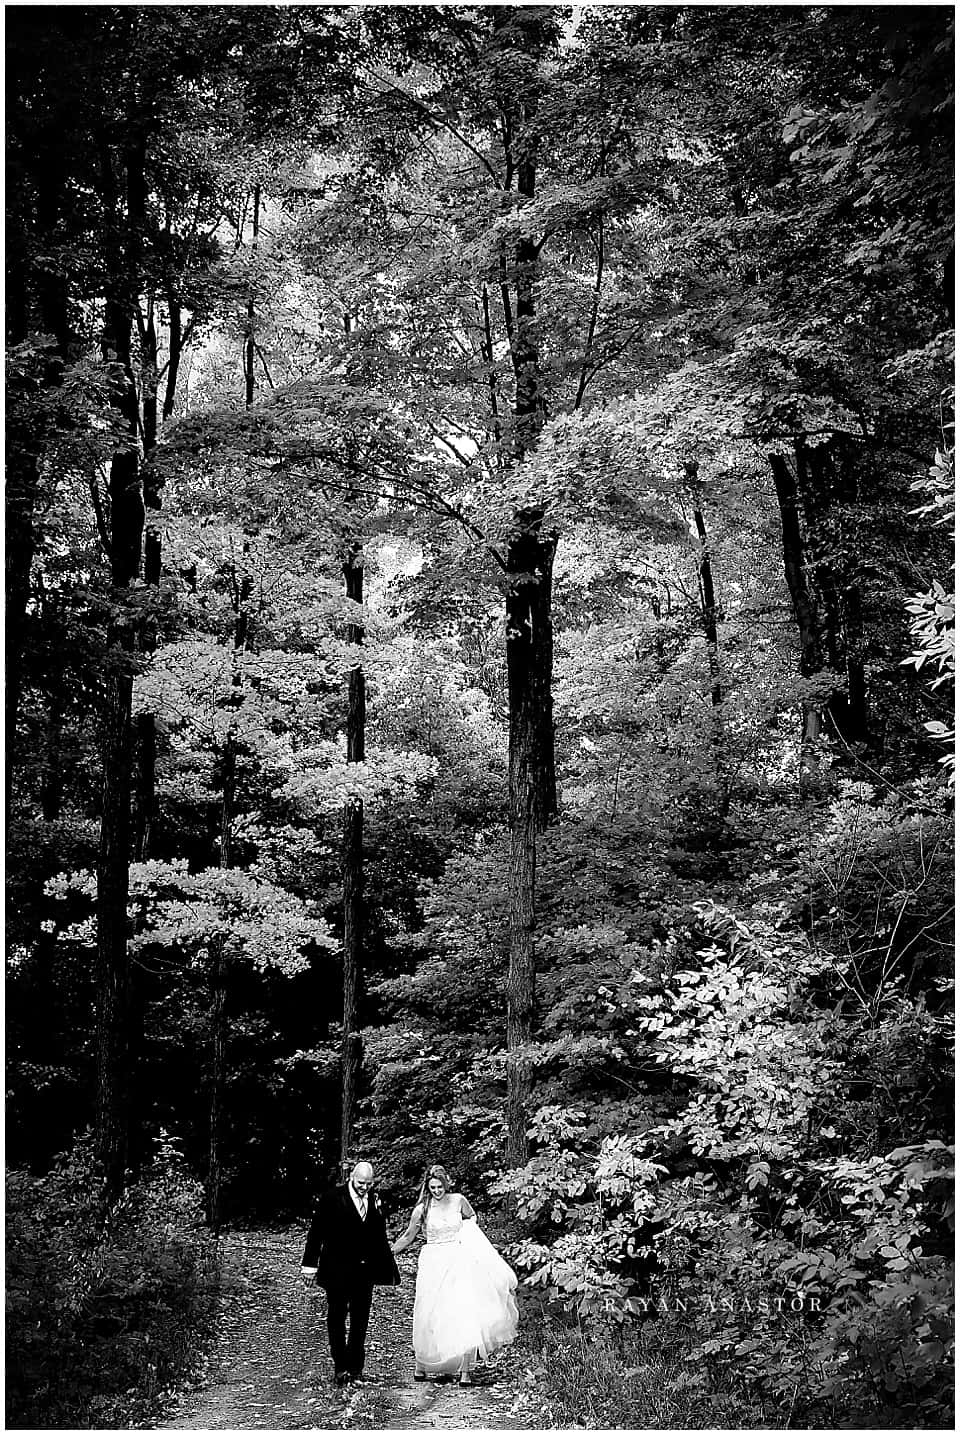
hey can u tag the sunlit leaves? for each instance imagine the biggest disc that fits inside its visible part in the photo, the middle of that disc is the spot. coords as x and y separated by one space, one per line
185 913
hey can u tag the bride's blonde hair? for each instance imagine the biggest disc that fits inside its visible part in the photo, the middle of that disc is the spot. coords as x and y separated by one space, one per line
433 1173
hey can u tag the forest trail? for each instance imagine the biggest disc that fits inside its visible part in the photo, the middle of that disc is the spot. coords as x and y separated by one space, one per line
269 1367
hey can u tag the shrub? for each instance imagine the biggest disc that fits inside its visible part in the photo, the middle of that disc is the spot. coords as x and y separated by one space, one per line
784 1252
102 1313
630 1378
830 1297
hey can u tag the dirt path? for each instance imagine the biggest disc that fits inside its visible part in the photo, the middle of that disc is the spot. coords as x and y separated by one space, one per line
270 1367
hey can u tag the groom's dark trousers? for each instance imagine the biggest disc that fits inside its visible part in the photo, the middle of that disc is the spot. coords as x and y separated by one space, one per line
351 1255
347 1347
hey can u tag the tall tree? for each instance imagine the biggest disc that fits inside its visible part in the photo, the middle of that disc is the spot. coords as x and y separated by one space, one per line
529 566
482 116
150 200
125 214
43 212
351 1054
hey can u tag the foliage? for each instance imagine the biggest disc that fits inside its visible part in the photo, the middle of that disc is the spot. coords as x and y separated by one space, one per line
933 612
819 1272
188 912
103 1316
879 871
631 1378
601 1203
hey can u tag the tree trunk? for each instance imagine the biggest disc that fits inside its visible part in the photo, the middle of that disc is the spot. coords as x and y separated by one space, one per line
857 717
126 537
529 645
242 588
826 605
112 956
218 1006
113 866
353 873
250 340
533 799
218 1026
530 405
218 969
487 355
23 479
144 794
51 793
32 285
710 617
708 607
112 969
821 482
804 606
176 338
521 977
146 777
24 458
533 795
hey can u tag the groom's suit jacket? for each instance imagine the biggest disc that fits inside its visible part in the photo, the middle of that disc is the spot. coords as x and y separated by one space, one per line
346 1250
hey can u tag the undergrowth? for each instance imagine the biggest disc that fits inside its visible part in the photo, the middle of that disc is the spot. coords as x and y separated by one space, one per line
103 1314
637 1377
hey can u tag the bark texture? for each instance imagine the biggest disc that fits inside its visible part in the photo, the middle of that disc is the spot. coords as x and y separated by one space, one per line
218 1005
353 872
529 631
533 795
219 966
113 865
708 606
823 484
32 293
23 481
112 966
242 589
710 617
145 780
795 571
826 600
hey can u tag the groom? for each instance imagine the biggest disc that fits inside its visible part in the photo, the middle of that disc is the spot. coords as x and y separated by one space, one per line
348 1252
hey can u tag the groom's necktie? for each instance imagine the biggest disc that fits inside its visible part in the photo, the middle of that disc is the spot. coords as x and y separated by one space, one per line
363 1208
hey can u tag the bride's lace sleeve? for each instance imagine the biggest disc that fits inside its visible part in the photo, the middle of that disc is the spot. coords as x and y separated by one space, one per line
466 1210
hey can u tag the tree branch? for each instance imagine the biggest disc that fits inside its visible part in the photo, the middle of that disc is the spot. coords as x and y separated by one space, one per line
585 375
438 121
487 351
102 526
262 357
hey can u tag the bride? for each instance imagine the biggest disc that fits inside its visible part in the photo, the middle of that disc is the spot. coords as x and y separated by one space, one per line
464 1307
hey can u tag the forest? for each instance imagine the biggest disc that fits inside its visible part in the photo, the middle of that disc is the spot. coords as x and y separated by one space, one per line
479 682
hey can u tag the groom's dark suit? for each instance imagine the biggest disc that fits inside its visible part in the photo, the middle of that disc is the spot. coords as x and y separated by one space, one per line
352 1255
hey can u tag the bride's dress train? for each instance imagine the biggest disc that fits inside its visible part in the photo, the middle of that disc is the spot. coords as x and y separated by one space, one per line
464 1308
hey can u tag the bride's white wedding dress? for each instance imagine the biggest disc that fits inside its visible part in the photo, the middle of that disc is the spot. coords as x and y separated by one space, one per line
464 1307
